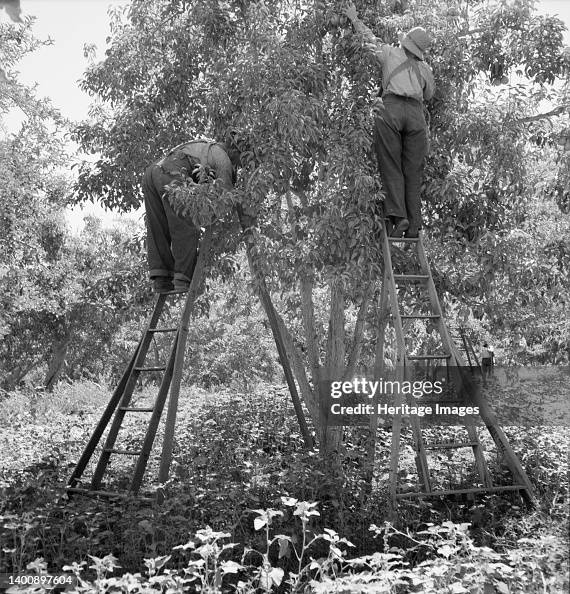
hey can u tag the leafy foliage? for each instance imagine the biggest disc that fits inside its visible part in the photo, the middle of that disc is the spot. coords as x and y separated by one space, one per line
290 87
70 301
240 468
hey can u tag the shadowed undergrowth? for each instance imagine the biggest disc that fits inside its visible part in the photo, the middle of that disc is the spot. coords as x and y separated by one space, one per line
240 469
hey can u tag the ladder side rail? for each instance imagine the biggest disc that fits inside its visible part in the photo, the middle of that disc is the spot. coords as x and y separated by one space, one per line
485 411
397 420
482 468
286 365
501 441
126 395
466 385
197 276
434 300
271 313
402 373
103 422
421 455
457 358
154 421
519 474
379 366
466 347
272 316
470 342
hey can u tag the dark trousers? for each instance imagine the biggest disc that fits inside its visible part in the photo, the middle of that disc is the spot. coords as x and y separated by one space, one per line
400 143
172 242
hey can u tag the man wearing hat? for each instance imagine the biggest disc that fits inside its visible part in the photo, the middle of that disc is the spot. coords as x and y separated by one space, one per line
400 131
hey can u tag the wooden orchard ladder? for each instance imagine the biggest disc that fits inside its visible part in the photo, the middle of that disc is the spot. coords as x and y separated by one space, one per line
120 403
390 305
461 334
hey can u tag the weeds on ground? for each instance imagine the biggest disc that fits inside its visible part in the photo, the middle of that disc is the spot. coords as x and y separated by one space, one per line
240 453
452 563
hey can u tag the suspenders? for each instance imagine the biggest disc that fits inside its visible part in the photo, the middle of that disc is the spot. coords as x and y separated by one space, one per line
408 64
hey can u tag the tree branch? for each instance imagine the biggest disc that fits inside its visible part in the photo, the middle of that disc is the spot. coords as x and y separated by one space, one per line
335 342
556 111
309 325
307 309
358 332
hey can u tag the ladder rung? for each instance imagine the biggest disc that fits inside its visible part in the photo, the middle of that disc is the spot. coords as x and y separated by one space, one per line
451 445
162 329
124 452
461 491
412 278
404 239
420 317
427 357
135 409
162 368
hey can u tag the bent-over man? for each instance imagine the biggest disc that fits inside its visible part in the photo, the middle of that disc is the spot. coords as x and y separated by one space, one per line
172 241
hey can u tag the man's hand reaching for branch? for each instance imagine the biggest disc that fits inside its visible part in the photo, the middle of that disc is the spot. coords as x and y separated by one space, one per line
350 11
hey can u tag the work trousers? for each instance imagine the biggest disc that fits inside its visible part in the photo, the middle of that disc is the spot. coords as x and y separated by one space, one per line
400 143
172 242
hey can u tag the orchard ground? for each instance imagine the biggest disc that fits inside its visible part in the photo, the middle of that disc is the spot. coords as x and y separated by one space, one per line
239 453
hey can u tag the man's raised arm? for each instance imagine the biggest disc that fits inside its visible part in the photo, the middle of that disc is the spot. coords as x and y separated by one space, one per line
369 41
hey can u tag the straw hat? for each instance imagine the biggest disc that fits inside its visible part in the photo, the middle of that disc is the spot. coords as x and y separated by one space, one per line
416 41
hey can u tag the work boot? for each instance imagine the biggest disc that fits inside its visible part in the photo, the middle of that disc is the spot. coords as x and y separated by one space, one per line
412 233
162 284
400 227
181 285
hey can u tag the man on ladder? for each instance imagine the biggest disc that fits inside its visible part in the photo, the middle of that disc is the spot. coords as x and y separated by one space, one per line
487 360
400 130
172 241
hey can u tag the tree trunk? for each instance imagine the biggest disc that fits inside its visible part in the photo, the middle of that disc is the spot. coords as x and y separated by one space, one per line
335 361
57 360
359 331
310 328
12 379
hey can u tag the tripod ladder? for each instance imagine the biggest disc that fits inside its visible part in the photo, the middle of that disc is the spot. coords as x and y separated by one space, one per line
121 403
395 287
463 337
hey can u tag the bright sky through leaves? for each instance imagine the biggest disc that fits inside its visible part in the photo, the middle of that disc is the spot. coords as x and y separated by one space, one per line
73 23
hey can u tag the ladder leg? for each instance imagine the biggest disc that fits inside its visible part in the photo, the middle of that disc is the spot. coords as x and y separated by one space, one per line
168 443
466 347
485 412
126 395
379 367
154 421
480 462
395 447
103 422
271 314
421 457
